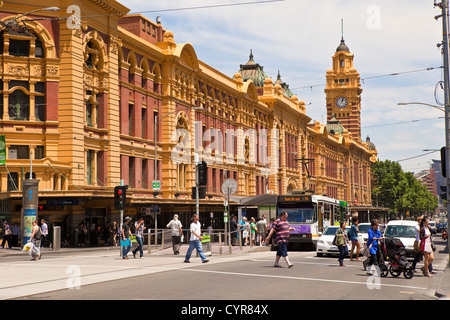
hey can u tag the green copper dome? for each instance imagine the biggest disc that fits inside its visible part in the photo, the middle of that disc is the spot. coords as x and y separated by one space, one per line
253 71
334 125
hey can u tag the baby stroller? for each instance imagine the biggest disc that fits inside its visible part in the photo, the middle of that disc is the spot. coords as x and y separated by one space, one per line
395 254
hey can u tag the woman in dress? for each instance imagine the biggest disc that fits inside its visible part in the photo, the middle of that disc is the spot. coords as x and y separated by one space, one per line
425 246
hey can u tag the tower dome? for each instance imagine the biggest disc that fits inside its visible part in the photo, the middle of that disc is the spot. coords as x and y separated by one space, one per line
342 46
370 144
253 71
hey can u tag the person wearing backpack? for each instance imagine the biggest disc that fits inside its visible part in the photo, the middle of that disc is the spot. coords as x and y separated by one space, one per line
341 242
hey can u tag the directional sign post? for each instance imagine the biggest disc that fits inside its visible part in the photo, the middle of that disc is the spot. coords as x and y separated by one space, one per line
229 187
30 198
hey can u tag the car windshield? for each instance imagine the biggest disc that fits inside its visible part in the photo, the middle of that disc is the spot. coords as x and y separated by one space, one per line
364 228
331 231
400 232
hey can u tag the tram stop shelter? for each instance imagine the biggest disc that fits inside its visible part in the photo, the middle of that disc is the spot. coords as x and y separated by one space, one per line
257 206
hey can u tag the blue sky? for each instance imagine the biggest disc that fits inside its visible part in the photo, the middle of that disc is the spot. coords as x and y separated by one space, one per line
298 37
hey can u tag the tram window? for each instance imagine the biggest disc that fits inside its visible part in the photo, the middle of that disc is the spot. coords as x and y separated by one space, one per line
326 212
337 215
300 215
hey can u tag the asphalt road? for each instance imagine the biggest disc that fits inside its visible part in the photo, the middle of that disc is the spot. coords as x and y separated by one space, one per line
249 277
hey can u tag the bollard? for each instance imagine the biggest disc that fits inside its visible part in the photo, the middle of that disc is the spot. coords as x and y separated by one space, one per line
220 243
56 238
240 238
149 241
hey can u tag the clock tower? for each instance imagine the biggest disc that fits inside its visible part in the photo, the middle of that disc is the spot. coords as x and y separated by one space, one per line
343 91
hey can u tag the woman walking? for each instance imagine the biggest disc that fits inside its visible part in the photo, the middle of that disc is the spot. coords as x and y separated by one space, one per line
353 237
425 246
341 242
372 242
35 239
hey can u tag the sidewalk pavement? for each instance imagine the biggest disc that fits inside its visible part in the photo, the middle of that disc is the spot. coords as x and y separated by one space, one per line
215 250
443 289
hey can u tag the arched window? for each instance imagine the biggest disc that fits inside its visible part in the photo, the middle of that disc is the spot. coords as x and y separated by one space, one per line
26 99
18 105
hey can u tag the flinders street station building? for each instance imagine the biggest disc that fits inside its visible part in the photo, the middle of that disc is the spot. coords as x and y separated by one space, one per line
113 99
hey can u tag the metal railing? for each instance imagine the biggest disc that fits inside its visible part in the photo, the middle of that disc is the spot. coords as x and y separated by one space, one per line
162 239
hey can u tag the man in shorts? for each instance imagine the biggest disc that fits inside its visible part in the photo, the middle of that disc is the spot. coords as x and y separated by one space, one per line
282 229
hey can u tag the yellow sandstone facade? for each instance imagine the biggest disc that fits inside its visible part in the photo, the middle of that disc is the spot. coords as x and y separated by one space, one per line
86 105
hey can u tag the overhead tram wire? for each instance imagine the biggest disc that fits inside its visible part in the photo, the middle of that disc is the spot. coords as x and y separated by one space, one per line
402 122
192 8
374 77
420 155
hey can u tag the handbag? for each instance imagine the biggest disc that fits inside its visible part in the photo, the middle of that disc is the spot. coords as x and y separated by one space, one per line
366 251
433 246
125 243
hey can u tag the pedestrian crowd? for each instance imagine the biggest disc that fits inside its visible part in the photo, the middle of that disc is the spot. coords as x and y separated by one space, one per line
423 246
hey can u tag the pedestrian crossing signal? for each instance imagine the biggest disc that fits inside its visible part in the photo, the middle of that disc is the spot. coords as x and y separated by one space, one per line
120 197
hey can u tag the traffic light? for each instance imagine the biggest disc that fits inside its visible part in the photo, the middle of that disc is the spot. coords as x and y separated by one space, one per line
443 193
443 162
120 197
202 173
201 192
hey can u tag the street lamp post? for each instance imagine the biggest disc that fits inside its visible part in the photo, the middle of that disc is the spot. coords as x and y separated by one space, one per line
444 7
13 23
421 103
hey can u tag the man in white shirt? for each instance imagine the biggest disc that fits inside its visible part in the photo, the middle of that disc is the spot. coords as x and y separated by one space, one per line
195 242
44 230
177 232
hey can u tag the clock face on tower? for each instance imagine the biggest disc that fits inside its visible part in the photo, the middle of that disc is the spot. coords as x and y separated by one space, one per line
341 102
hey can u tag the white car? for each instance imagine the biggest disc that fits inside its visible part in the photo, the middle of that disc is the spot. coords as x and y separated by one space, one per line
363 232
325 242
432 225
405 230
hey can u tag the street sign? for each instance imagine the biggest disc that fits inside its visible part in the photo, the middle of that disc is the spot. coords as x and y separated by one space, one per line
2 150
229 186
156 185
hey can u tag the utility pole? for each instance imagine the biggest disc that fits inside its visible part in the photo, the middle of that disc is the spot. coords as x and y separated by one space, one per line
444 7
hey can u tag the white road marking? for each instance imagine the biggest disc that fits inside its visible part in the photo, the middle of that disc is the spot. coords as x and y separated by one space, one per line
301 278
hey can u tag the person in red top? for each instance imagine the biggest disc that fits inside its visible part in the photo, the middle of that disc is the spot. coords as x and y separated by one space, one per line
282 229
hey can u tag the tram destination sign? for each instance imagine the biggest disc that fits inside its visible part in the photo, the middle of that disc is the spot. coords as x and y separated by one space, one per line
291 199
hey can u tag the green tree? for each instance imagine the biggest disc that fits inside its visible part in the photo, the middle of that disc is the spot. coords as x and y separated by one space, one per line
400 191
